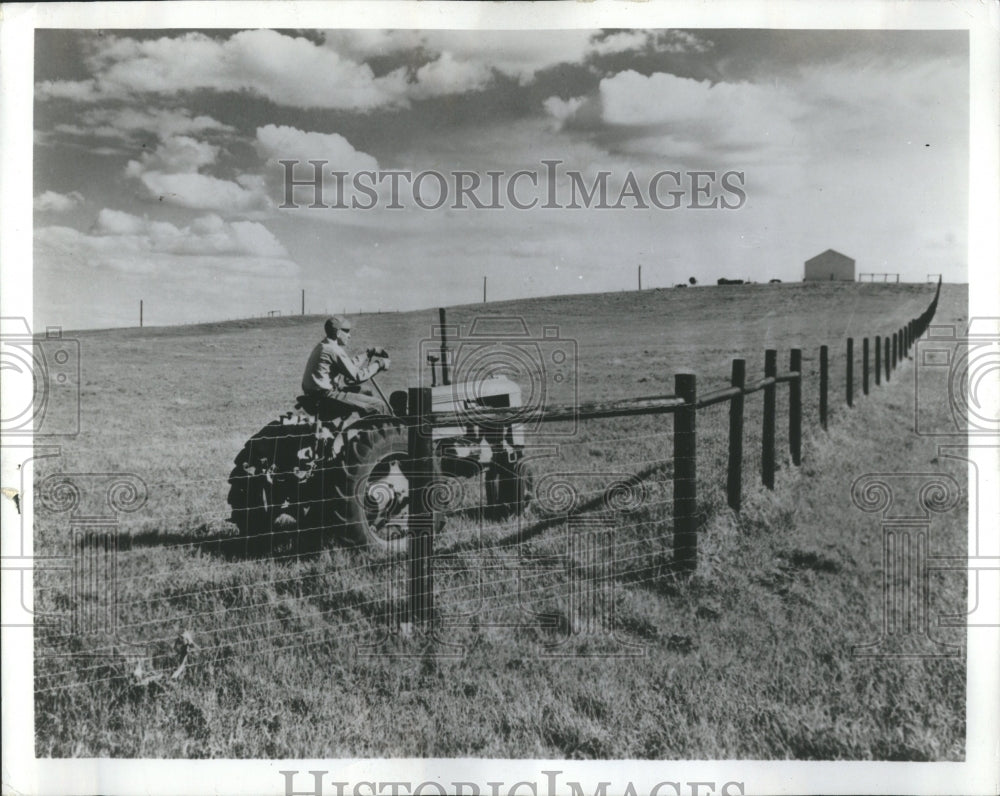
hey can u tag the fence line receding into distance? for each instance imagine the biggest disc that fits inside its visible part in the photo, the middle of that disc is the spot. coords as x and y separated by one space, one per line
684 405
675 525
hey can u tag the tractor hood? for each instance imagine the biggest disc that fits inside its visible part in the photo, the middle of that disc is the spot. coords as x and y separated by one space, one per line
497 391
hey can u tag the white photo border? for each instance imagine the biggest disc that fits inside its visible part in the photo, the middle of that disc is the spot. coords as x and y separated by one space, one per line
23 773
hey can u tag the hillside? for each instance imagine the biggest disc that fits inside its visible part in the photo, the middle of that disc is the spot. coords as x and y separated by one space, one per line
750 658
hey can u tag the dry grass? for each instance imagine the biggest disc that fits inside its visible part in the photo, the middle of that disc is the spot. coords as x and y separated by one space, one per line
751 657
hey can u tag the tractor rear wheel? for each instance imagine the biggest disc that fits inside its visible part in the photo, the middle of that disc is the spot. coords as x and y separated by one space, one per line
264 493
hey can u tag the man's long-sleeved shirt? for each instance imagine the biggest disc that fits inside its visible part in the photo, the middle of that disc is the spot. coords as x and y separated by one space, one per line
330 367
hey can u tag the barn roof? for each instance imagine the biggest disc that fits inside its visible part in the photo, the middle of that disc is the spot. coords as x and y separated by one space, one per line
830 251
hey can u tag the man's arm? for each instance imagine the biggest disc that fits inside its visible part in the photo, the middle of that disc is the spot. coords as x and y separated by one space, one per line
371 366
360 368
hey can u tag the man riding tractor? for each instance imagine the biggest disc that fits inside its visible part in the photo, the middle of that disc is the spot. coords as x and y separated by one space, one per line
332 379
338 463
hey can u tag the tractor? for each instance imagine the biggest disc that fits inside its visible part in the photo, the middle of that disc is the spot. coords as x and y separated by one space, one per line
319 477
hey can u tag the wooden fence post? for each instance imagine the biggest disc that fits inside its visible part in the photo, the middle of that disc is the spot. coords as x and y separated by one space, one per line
895 350
421 521
850 371
888 363
685 474
734 482
824 382
767 436
878 360
864 366
795 407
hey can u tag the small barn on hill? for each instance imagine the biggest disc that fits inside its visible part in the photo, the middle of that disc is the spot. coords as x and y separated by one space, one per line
830 265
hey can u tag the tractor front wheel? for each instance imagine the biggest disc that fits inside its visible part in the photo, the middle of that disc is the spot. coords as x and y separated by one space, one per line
508 486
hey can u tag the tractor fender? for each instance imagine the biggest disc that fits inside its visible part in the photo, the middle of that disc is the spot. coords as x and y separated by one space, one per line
351 427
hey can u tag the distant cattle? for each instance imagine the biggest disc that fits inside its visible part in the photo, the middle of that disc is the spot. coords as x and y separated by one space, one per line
775 281
725 281
680 284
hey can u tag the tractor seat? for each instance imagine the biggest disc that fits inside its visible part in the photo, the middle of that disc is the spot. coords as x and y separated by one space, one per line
330 412
309 403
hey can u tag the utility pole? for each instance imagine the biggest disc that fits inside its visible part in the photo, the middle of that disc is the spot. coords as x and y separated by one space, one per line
484 290
303 301
640 277
140 313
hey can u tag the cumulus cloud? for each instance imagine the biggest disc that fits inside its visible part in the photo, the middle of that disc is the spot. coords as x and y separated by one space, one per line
176 153
262 62
886 103
53 202
204 192
171 174
672 41
361 44
459 61
661 98
128 243
75 90
271 64
561 110
681 116
519 55
282 142
620 41
469 61
449 75
124 123
681 41
208 234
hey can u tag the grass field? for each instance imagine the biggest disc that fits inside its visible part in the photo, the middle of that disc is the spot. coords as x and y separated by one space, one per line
749 658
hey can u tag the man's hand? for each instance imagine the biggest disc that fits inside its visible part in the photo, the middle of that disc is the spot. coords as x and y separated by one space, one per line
377 353
383 362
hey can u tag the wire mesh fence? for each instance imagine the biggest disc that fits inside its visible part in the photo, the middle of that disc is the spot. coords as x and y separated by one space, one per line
618 503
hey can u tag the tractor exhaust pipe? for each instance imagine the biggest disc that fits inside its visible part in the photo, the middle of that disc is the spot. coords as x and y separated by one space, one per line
445 379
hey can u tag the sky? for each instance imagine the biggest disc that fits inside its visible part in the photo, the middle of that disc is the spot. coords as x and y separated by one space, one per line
157 172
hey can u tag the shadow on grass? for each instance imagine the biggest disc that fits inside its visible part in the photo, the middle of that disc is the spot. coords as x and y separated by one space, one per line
194 538
230 544
535 529
658 573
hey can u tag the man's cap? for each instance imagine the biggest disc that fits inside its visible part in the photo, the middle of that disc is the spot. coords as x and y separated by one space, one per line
337 323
